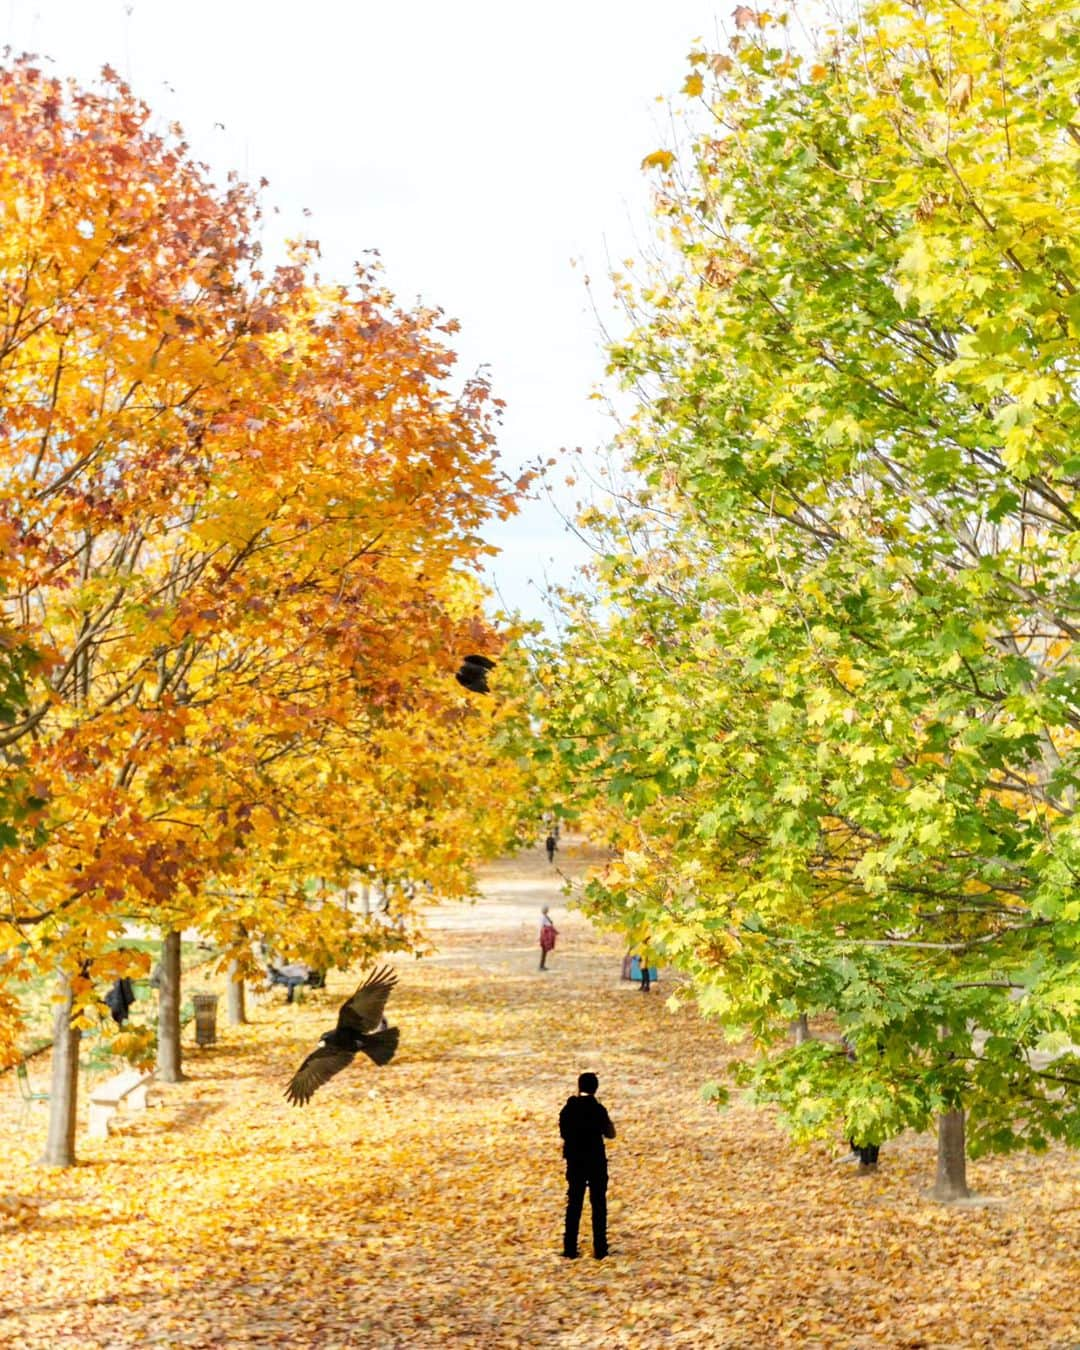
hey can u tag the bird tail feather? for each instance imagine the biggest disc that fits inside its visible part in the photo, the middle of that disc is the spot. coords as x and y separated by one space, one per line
381 1046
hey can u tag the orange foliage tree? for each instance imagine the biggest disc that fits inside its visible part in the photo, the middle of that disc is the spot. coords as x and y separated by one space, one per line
241 509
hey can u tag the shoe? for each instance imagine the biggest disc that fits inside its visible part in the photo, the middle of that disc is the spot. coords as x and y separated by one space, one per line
599 1256
571 1256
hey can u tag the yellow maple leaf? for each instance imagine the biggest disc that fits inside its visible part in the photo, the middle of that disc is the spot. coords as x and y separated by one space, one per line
659 159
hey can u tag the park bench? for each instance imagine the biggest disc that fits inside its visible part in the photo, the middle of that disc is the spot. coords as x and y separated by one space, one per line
27 1093
294 976
129 1087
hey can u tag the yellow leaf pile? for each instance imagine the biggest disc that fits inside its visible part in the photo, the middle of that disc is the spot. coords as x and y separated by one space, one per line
421 1204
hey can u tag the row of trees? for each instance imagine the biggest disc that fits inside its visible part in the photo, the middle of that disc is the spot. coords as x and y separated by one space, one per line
824 700
240 512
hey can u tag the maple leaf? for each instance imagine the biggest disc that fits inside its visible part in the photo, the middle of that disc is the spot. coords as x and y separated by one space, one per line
659 159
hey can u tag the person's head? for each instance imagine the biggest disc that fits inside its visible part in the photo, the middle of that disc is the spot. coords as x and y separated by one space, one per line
588 1083
543 909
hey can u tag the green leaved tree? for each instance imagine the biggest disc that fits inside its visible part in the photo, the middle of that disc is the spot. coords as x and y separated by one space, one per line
828 706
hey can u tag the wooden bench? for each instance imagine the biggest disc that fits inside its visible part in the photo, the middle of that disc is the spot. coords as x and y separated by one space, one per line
129 1087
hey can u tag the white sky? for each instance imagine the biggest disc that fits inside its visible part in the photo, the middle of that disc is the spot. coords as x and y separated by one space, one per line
479 145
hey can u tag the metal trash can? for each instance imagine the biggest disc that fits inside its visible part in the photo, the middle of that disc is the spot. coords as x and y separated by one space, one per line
205 1006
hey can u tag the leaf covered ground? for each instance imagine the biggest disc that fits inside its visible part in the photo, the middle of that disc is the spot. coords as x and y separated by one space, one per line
421 1205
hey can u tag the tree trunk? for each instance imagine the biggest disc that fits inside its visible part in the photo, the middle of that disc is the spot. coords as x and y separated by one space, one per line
951 1183
64 1089
234 996
168 1053
800 1030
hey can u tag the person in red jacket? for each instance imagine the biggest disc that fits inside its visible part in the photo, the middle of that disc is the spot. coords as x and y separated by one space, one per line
584 1124
548 934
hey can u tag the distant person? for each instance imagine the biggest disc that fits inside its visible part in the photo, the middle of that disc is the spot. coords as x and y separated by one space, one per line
548 934
119 1000
866 1153
551 844
584 1124
643 961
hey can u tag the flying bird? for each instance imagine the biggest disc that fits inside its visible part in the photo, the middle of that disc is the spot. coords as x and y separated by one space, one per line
473 673
360 1026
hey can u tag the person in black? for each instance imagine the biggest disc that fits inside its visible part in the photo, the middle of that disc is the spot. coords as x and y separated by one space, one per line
584 1125
119 999
551 844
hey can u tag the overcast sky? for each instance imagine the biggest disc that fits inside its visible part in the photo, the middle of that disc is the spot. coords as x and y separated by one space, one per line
481 146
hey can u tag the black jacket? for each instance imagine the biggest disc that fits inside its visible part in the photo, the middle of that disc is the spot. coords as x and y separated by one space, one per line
119 999
584 1125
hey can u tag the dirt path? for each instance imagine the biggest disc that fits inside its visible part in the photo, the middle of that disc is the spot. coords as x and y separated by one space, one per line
514 889
420 1205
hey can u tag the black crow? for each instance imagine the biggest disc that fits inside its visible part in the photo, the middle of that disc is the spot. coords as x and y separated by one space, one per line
360 1026
473 673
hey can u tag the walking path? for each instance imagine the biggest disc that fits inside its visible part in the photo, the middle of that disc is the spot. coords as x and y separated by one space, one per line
420 1205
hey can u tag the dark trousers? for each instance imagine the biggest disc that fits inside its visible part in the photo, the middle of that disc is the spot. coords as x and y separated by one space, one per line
579 1177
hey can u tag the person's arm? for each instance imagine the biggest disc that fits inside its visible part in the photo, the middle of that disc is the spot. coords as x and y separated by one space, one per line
609 1128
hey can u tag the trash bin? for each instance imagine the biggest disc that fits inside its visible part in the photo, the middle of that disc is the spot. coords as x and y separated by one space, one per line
205 1006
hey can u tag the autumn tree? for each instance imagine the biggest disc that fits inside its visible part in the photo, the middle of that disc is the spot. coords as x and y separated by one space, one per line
243 508
828 707
21 669
400 800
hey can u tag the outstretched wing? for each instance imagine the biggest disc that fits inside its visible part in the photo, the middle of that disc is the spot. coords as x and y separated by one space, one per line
473 680
319 1067
364 1010
473 673
382 1045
